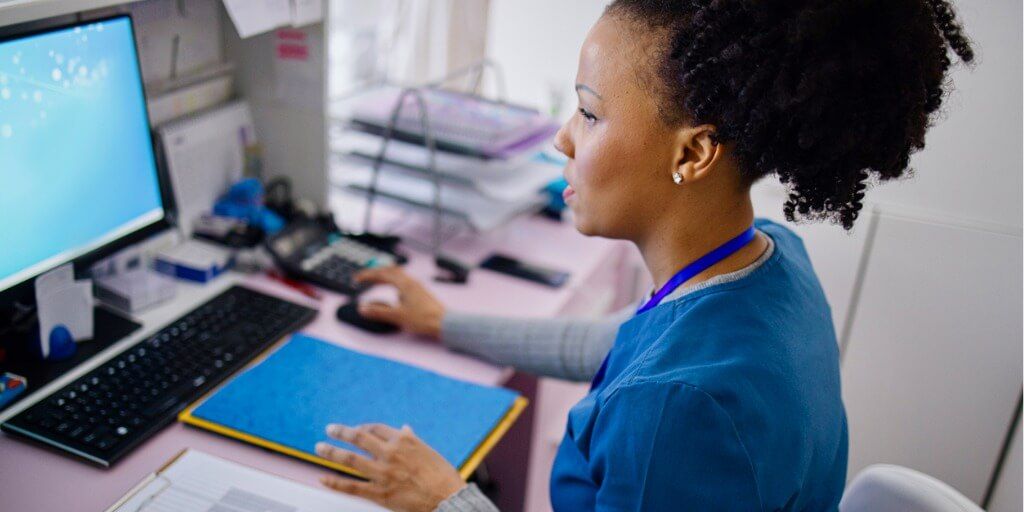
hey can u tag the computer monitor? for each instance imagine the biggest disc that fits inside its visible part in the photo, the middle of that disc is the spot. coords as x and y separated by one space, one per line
78 174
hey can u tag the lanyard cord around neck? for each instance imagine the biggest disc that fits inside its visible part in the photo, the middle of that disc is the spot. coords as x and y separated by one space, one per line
699 265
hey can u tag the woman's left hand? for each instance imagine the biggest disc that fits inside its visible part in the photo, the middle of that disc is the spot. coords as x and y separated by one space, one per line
404 473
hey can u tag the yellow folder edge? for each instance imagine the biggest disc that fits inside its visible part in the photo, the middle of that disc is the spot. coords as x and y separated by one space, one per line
474 460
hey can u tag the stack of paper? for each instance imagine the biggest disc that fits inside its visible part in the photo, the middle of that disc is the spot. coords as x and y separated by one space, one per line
198 482
205 154
461 123
397 186
252 17
486 178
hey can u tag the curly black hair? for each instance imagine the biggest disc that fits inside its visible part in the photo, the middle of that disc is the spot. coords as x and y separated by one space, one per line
826 94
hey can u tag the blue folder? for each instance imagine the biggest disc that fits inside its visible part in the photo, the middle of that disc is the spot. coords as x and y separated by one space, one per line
285 402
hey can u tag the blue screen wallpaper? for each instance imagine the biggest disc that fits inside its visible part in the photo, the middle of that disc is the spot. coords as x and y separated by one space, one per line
76 160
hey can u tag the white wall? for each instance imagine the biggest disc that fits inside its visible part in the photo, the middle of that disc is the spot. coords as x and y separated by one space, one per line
537 42
1007 495
972 166
931 372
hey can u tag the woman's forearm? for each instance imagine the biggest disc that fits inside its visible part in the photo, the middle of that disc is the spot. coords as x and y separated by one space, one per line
564 348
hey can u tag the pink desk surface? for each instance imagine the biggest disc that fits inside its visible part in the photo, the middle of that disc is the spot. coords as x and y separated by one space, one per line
35 479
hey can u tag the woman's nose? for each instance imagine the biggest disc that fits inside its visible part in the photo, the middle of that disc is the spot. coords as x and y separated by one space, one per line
563 142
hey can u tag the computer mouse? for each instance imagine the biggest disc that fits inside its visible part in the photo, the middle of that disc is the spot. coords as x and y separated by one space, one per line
349 314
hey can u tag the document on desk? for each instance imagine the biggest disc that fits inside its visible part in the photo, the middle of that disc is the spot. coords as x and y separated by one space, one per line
198 482
205 154
253 17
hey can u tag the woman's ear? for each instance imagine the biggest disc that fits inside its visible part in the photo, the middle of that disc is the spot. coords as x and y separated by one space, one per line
697 153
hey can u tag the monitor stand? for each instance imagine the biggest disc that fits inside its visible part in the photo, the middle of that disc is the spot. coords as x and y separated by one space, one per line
109 327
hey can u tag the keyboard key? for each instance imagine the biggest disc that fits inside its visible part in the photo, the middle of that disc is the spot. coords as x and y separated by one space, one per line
77 432
91 438
106 443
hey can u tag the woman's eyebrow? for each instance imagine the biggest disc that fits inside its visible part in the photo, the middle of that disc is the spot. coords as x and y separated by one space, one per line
581 87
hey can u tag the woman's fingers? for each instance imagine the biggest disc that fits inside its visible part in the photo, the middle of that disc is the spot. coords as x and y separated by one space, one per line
406 474
382 275
354 487
348 458
382 431
417 312
359 436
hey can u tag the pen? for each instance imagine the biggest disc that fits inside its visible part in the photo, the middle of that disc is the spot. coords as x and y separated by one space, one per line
299 286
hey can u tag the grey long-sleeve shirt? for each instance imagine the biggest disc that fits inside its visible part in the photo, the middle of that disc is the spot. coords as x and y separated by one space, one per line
563 348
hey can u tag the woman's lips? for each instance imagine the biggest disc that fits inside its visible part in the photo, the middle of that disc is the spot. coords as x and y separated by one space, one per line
567 193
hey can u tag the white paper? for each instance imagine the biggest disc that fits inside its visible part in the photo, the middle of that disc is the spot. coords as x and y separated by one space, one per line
253 17
519 184
305 12
205 156
57 278
453 164
198 482
483 213
70 306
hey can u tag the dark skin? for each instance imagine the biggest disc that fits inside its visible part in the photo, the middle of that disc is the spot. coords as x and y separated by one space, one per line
622 157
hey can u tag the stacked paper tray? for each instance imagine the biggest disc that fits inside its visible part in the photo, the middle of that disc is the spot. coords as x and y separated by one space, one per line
460 123
500 177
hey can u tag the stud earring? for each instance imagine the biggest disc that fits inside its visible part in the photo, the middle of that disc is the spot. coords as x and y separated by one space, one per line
677 177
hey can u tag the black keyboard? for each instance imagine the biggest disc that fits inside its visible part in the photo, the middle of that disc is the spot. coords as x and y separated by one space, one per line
104 414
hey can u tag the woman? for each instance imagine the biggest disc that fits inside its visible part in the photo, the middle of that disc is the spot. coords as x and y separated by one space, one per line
721 392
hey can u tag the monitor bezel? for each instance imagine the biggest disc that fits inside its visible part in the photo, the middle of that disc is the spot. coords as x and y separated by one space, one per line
23 292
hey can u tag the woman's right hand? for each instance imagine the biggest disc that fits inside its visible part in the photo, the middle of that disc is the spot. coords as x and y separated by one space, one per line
417 310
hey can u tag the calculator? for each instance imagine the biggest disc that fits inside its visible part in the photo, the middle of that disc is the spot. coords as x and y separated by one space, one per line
327 258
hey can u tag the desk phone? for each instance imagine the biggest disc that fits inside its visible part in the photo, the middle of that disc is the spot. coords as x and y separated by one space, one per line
326 257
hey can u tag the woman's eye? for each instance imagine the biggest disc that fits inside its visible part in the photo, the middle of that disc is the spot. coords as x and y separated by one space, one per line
587 115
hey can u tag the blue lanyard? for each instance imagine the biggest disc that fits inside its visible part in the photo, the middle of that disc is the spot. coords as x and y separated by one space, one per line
699 265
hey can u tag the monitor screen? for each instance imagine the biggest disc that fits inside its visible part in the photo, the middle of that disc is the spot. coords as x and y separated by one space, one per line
77 169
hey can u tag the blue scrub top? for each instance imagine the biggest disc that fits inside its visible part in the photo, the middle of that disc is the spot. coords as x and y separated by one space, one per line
726 398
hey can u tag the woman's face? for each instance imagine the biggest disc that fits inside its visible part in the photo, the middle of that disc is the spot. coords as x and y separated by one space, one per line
621 155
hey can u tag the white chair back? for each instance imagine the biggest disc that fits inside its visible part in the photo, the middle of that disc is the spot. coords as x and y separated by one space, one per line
889 488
